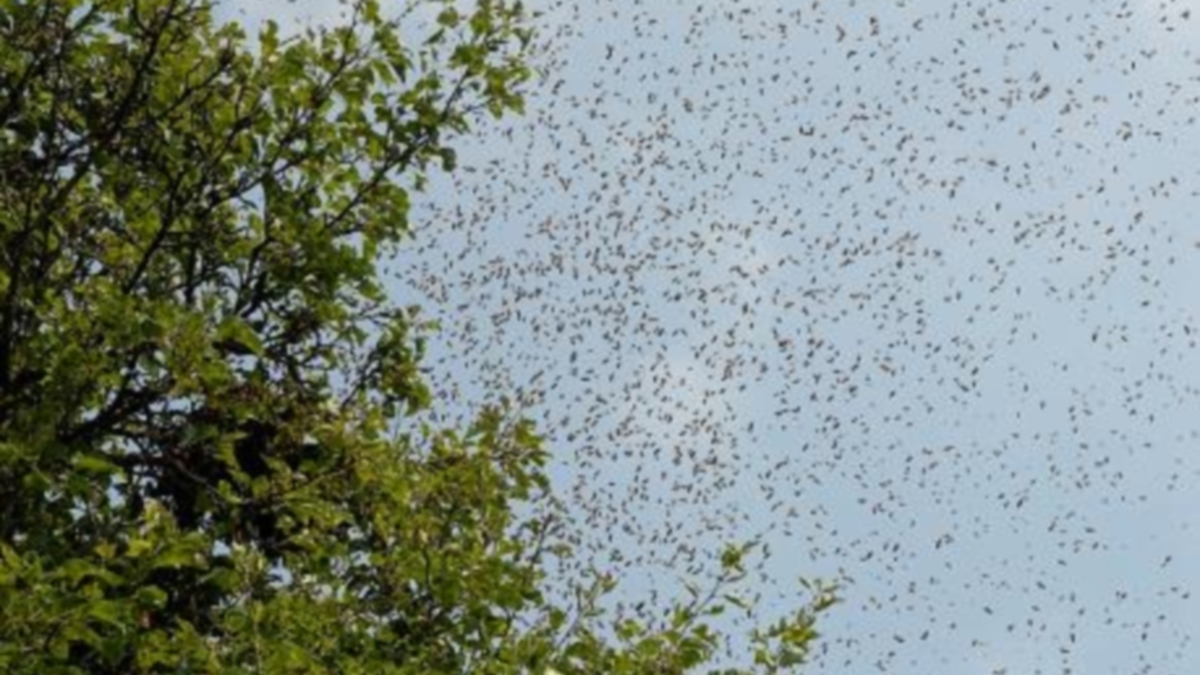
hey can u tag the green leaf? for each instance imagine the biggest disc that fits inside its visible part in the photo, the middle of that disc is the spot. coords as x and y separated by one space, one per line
448 17
150 596
11 559
268 39
176 556
449 159
107 611
96 464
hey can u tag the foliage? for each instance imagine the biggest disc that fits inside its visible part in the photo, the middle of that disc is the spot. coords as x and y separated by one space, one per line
209 460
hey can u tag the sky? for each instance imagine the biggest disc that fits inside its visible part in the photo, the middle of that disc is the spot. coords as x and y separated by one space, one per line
906 290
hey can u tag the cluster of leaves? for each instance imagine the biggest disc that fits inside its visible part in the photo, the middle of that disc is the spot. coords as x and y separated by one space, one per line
204 460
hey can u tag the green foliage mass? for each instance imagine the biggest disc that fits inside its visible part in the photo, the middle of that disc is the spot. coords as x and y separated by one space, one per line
209 460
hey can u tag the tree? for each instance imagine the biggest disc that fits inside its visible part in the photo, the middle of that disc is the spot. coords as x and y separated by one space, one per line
211 457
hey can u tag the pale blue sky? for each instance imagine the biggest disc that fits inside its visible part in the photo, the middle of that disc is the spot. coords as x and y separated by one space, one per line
980 219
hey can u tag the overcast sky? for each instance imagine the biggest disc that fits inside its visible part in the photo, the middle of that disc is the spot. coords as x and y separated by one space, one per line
909 289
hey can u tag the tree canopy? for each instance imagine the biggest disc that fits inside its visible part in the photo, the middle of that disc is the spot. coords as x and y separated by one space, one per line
210 453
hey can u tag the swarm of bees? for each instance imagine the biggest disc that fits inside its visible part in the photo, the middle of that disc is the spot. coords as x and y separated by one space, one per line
903 290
